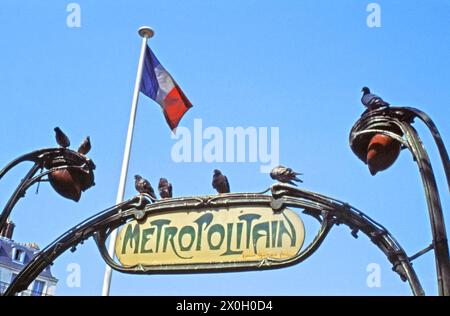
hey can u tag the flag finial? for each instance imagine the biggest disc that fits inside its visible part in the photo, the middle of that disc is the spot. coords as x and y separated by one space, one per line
146 31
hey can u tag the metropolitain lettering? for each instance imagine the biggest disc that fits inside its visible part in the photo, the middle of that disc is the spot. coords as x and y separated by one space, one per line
205 234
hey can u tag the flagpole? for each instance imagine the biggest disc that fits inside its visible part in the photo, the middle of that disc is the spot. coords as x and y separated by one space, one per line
145 32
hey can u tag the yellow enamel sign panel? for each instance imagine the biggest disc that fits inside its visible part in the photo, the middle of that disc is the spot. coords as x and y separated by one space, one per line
228 234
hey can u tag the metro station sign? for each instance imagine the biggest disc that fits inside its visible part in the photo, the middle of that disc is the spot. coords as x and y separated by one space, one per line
233 234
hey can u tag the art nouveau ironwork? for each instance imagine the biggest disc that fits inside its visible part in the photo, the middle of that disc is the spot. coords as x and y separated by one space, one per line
396 123
68 171
328 212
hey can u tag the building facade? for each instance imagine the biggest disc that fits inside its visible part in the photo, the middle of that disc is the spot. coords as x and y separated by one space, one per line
14 257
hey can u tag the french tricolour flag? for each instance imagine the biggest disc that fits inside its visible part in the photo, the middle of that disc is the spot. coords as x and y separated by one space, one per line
159 85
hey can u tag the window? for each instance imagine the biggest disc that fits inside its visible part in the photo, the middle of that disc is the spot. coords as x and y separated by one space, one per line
18 255
38 288
13 276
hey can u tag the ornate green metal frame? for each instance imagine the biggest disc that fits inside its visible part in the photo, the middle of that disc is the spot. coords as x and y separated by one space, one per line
326 210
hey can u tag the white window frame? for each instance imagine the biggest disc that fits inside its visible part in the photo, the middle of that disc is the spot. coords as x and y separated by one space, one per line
14 253
44 288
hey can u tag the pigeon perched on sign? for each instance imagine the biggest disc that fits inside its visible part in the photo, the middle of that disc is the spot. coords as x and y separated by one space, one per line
85 146
372 101
220 182
143 186
165 188
285 175
61 138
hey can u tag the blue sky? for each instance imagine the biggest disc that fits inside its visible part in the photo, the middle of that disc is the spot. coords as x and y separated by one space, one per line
296 65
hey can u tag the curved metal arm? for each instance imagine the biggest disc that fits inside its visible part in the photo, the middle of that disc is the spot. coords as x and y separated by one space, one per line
18 193
329 211
358 221
435 211
35 156
26 183
437 139
52 159
398 120
69 240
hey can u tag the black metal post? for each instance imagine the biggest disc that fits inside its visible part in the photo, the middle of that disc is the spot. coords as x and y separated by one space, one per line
396 123
439 233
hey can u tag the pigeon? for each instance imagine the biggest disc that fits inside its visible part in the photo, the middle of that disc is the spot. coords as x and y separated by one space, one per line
285 175
372 101
143 186
220 182
165 188
61 138
85 146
